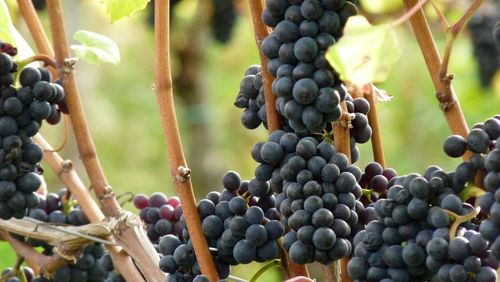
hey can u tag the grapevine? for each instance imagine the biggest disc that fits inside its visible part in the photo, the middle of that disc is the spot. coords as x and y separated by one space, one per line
310 200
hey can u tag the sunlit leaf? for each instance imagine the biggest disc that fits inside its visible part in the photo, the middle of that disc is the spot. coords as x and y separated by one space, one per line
118 9
9 34
96 48
365 53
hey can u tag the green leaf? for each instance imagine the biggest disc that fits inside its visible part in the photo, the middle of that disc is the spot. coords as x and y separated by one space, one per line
96 48
365 53
118 9
9 34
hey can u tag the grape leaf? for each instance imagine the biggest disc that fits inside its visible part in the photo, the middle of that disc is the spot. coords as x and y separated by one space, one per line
365 53
96 48
118 9
9 34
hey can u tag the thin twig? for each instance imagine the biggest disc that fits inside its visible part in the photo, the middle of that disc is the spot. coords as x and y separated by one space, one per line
178 168
336 271
444 92
453 33
409 13
48 61
459 219
440 14
261 32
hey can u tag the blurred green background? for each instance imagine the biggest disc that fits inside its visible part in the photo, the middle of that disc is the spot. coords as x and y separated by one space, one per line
124 118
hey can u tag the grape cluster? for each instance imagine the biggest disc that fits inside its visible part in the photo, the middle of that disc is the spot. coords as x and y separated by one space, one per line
161 214
59 208
486 48
490 201
480 141
251 99
21 114
95 265
460 259
11 275
239 227
399 243
223 19
318 194
307 89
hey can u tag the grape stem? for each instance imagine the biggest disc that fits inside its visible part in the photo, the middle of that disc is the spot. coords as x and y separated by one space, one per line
453 32
445 94
177 161
266 267
48 61
261 32
459 219
37 32
376 139
409 13
144 253
338 271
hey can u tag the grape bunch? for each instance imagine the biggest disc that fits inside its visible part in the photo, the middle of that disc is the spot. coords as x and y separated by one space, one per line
318 194
486 48
94 265
11 275
480 141
21 114
239 228
399 243
251 99
223 20
161 214
307 88
460 259
490 201
59 208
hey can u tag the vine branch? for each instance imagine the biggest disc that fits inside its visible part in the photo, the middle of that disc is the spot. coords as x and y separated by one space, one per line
453 33
63 169
337 271
36 29
261 32
145 256
376 139
177 161
444 91
48 263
